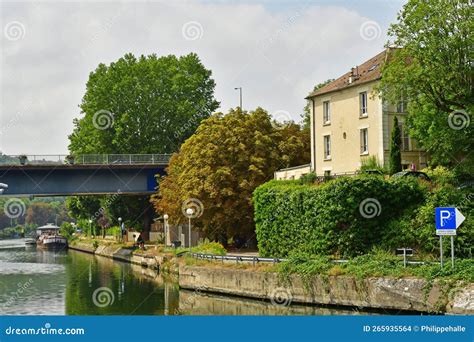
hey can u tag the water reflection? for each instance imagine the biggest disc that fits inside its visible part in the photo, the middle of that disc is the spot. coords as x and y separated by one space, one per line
35 282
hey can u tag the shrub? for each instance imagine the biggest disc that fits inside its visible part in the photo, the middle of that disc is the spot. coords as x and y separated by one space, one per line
309 178
330 218
416 228
371 163
441 175
67 229
210 248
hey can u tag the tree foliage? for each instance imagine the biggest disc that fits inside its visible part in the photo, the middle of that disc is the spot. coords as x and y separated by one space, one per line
221 165
139 105
433 69
152 104
395 162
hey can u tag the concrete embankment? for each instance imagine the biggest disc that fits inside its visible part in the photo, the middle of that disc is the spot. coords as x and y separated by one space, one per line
410 294
122 254
407 294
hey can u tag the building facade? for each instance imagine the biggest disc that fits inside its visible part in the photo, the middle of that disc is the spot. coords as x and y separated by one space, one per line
351 122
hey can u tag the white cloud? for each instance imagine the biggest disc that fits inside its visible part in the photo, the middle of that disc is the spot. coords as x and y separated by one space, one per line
275 55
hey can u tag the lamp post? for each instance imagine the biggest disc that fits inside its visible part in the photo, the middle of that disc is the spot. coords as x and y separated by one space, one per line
121 230
189 213
90 227
165 222
240 91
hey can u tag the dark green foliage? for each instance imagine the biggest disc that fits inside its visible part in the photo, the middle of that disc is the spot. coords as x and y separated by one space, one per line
309 178
67 229
326 219
371 163
434 72
416 228
395 163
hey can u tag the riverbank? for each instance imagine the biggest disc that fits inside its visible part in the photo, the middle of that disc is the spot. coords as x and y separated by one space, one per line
150 258
410 294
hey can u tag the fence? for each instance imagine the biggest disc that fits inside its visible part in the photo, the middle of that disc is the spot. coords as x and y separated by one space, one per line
85 159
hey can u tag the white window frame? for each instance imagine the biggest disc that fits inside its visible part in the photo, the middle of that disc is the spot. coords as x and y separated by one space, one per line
327 146
326 112
405 137
402 104
364 141
363 109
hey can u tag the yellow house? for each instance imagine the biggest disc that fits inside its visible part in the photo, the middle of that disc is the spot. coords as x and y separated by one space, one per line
350 122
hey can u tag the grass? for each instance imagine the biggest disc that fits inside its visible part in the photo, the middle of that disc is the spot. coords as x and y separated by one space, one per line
376 264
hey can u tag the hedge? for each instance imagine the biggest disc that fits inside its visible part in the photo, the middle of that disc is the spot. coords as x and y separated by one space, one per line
328 219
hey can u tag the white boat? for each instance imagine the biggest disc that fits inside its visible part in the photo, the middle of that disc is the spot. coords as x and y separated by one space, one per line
49 238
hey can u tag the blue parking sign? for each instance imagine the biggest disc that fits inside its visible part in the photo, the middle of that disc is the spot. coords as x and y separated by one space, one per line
448 219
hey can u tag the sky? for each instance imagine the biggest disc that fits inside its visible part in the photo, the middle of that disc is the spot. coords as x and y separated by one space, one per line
275 50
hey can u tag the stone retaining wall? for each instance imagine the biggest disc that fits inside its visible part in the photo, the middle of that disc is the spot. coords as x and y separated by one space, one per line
411 294
121 254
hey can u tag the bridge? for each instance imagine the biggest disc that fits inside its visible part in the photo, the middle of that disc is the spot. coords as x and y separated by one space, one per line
88 174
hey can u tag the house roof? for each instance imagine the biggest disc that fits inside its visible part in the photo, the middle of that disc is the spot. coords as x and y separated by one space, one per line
368 71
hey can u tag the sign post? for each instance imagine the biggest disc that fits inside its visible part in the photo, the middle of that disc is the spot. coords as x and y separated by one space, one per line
447 220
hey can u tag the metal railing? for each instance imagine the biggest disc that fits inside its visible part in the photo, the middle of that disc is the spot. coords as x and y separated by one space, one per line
85 159
237 258
255 260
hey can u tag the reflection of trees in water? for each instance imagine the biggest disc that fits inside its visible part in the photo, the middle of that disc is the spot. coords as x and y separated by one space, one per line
128 289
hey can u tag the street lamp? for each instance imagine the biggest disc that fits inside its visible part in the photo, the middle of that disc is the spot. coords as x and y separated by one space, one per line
90 227
165 219
189 213
240 90
121 229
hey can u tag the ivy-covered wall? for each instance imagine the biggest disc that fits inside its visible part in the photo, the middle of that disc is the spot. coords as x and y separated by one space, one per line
349 216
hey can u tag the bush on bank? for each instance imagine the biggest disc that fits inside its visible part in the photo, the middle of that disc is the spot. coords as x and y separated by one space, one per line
346 217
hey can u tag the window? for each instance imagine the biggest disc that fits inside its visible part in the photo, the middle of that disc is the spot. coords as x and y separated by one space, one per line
327 173
402 104
363 104
404 137
364 141
326 113
327 147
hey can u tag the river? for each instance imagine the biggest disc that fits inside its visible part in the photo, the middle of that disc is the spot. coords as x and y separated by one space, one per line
35 282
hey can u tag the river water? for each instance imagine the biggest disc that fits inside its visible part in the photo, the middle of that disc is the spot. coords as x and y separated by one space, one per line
35 282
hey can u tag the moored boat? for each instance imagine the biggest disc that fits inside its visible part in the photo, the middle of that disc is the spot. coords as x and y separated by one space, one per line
49 238
29 242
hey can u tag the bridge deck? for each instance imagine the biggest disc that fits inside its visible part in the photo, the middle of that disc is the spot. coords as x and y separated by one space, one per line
113 174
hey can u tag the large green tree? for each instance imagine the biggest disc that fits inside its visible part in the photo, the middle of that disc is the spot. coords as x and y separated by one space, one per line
139 105
143 105
221 165
432 67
